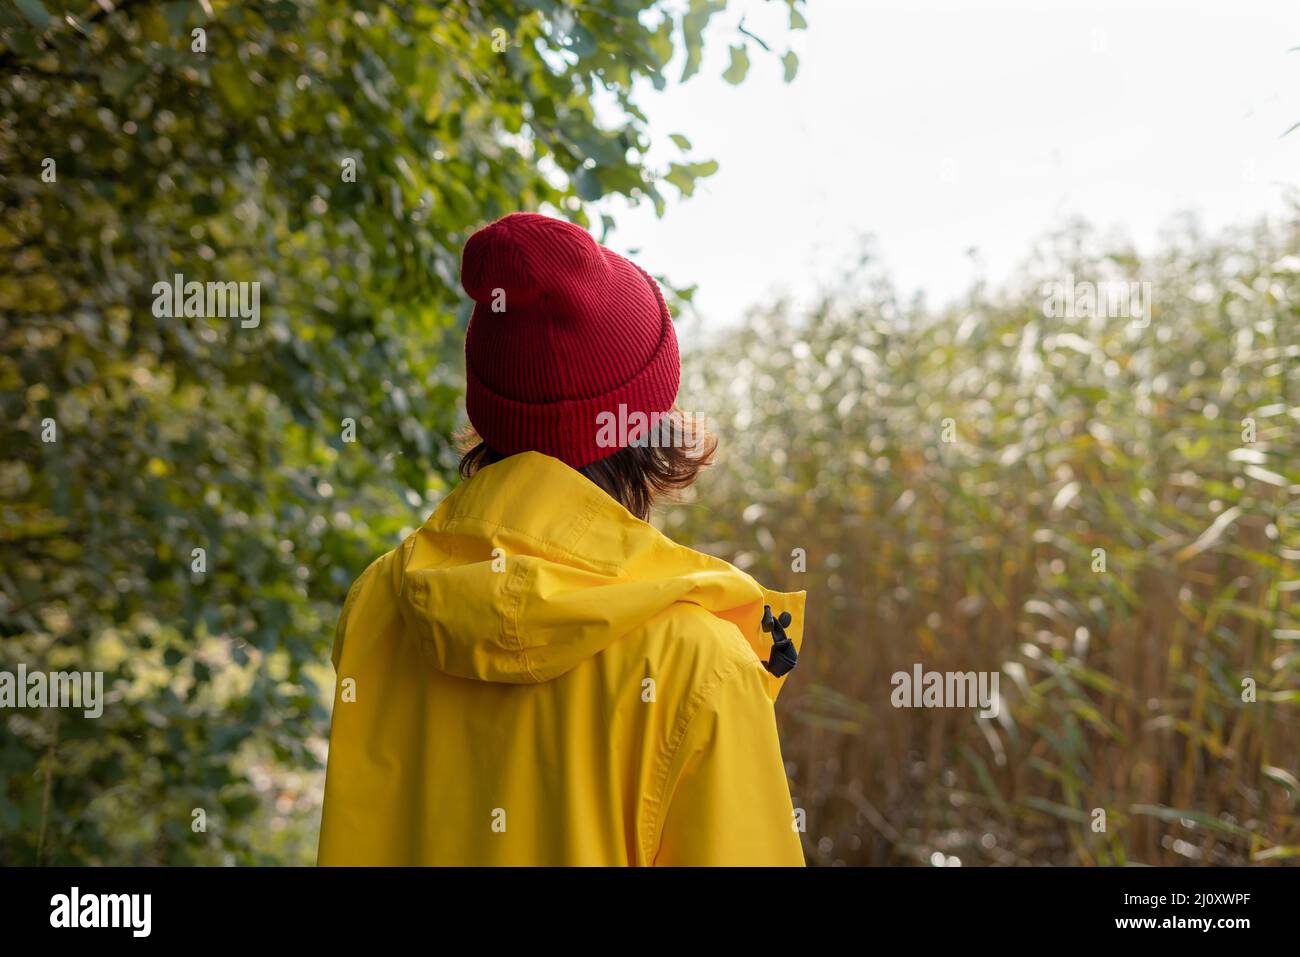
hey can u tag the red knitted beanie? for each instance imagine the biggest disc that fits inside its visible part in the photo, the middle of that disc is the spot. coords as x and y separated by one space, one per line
563 330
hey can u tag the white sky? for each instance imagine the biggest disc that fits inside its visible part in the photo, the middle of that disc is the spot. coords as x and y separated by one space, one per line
938 127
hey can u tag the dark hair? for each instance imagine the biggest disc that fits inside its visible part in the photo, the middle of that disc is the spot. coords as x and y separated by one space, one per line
636 476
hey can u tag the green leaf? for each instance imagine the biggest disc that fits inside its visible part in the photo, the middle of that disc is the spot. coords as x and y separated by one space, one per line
587 185
35 11
791 63
119 80
682 142
232 83
22 41
177 15
1196 817
684 175
693 24
739 66
582 42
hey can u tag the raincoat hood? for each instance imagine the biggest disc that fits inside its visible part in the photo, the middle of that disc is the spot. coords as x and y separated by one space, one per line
529 569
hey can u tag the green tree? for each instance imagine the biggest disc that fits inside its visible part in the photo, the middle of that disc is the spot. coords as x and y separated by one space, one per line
338 155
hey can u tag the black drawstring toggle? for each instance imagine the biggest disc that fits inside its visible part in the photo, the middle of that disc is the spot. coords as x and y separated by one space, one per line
784 657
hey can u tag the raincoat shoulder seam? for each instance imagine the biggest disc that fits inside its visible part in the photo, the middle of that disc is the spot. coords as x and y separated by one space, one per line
359 584
405 550
701 698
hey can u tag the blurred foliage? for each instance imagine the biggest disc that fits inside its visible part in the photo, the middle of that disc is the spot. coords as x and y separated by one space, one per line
1122 688
209 139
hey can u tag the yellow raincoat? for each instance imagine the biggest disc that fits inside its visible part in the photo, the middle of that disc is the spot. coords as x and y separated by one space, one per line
538 677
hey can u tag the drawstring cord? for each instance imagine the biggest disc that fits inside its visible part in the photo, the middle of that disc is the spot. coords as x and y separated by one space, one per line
784 657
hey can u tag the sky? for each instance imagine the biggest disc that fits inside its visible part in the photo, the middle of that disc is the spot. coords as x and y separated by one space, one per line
956 134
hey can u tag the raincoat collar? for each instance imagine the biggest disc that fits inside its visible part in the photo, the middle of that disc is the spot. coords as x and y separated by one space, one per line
529 568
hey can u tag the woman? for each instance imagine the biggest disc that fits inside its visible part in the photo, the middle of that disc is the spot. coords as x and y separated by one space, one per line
537 675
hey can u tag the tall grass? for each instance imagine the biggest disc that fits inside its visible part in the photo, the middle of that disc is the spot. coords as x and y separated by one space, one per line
1125 688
